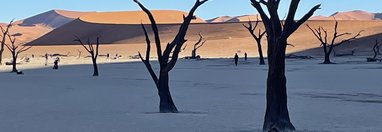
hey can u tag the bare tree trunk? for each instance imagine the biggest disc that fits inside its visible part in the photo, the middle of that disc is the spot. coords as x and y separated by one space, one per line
95 67
261 56
197 45
14 57
166 104
193 54
327 59
328 46
376 49
166 62
375 55
1 53
5 32
277 115
93 51
278 31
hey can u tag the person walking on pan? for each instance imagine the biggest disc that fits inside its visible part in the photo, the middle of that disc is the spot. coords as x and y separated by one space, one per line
55 67
245 56
236 59
108 57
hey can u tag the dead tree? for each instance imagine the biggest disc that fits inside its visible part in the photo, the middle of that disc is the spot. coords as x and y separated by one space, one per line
4 38
258 37
166 63
277 115
79 54
197 45
15 49
328 45
93 51
376 51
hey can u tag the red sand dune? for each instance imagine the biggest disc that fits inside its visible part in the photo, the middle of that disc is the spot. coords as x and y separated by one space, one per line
53 18
350 15
122 35
223 39
245 18
34 27
137 17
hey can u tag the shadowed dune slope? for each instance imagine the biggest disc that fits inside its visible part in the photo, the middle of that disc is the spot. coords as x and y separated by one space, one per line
137 17
53 18
219 19
34 27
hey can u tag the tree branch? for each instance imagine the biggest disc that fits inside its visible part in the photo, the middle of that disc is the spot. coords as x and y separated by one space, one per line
179 38
80 41
260 10
150 69
289 30
23 49
97 48
155 30
201 44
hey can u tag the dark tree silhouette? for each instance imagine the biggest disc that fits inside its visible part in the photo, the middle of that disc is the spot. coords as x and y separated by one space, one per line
328 45
3 39
277 115
79 53
166 63
257 37
197 45
89 47
15 49
376 49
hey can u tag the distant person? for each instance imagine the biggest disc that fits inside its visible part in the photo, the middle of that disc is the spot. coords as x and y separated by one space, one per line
32 55
236 59
108 57
46 59
245 56
55 67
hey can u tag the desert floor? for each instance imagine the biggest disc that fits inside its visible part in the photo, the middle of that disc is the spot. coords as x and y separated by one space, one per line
212 95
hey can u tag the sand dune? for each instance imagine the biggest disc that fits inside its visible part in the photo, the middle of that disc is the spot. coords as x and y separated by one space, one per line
53 18
245 18
350 15
219 19
137 17
29 33
34 27
224 39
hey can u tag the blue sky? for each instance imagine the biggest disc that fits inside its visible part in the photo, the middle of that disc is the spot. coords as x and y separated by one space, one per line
213 8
